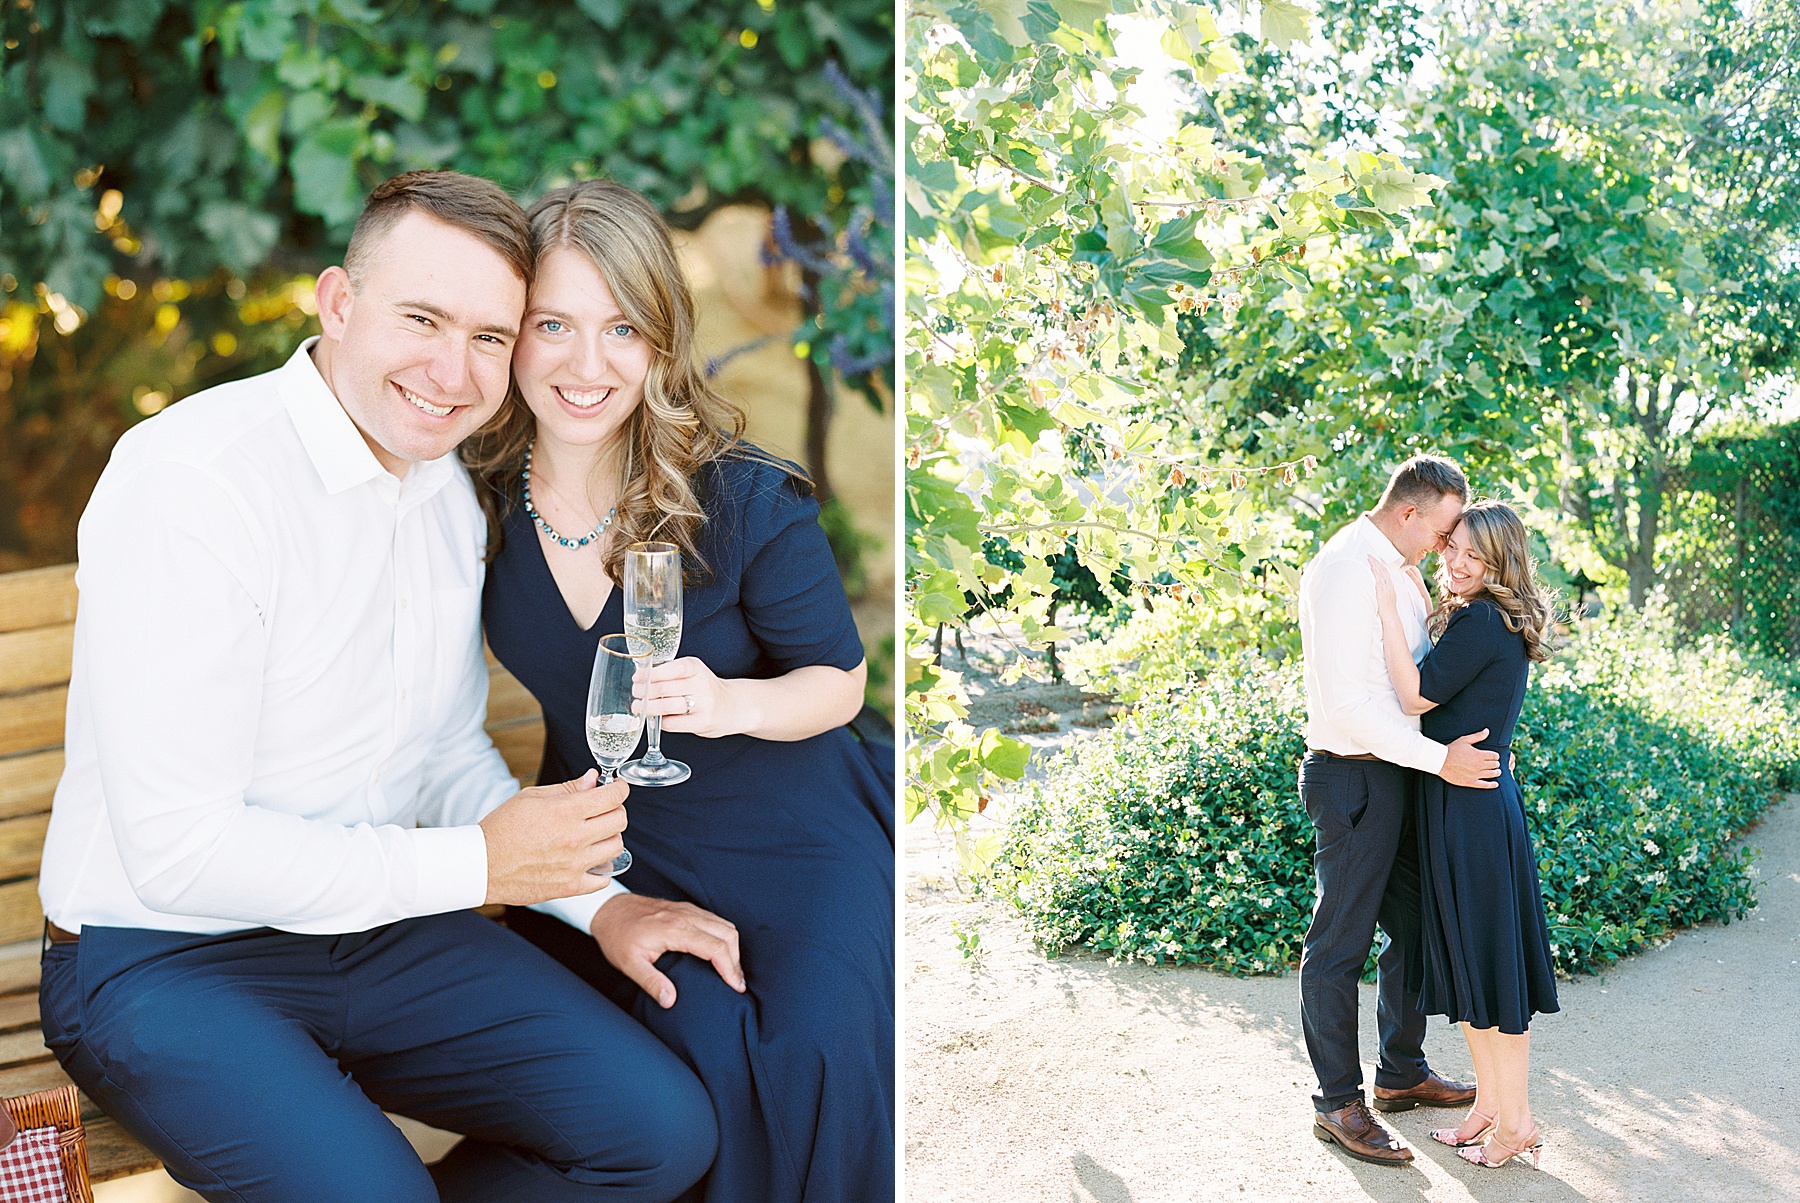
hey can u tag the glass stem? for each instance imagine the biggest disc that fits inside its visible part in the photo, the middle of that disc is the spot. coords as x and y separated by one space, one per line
653 754
606 774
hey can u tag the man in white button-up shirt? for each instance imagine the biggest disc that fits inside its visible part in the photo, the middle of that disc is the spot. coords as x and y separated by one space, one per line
1362 750
280 803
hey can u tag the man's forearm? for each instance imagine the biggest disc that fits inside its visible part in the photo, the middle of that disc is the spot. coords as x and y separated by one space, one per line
1389 735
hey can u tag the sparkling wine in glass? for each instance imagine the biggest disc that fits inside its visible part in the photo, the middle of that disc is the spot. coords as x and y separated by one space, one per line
653 616
612 729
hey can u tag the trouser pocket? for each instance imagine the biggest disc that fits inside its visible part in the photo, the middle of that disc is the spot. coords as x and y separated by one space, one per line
1335 794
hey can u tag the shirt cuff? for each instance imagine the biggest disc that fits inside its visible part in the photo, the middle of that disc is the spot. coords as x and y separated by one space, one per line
451 863
578 912
1427 755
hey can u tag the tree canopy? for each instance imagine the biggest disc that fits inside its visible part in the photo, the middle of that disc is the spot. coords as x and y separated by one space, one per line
1055 235
229 130
1147 300
173 171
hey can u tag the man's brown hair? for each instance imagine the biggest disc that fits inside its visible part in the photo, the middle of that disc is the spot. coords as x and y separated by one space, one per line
1421 480
481 207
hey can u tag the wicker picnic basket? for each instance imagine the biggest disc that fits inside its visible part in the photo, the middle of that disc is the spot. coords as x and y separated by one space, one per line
60 1109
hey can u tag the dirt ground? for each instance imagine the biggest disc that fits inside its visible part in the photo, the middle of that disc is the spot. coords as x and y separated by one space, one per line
1670 1078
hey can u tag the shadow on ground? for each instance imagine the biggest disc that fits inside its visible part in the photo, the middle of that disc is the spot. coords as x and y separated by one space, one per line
1669 1079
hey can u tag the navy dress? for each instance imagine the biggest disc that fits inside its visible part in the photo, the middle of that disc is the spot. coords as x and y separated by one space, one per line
1486 945
792 842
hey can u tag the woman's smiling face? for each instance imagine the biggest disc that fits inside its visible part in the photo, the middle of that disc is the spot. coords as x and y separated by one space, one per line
580 363
1464 569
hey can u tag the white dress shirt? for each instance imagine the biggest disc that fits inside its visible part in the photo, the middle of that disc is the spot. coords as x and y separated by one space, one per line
1351 706
278 689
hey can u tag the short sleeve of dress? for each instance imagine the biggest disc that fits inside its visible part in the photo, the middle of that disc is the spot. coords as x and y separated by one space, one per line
791 593
1474 636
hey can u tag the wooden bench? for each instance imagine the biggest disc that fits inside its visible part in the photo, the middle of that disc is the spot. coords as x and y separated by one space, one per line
37 628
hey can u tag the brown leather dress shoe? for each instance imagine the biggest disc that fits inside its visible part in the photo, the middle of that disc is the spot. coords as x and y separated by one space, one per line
1361 1135
1432 1092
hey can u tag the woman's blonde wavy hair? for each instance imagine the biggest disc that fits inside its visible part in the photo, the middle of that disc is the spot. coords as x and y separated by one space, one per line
679 427
1497 534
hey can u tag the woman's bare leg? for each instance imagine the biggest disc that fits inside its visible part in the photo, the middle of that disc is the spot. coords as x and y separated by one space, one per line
1511 1060
1481 1053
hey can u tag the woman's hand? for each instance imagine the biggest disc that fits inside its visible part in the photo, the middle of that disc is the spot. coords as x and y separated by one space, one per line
1384 583
799 704
1394 646
689 698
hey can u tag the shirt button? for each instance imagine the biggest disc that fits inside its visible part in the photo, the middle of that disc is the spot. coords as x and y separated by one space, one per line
403 603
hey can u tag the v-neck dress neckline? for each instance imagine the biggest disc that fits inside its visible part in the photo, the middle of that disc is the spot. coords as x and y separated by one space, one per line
543 564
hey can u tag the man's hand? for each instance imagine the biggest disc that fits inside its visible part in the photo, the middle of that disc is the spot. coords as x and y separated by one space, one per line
635 929
1469 766
542 840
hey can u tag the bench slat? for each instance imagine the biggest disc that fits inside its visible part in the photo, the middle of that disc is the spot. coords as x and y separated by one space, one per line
22 845
17 1048
40 1075
18 1011
19 968
508 701
37 657
115 1153
33 722
27 783
20 916
37 597
522 747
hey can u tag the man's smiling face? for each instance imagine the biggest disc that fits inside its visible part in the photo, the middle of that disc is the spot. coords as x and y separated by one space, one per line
420 345
1427 529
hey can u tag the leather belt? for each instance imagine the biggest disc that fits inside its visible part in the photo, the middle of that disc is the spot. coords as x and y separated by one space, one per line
1342 756
58 935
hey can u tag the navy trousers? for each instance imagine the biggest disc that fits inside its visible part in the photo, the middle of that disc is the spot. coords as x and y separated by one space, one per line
1366 859
257 1065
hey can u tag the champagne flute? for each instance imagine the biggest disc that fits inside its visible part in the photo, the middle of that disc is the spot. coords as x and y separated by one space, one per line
612 728
653 615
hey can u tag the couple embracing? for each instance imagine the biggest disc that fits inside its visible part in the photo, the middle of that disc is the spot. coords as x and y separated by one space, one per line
280 804
1408 780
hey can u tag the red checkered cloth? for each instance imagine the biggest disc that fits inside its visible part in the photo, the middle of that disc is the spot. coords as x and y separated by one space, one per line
30 1169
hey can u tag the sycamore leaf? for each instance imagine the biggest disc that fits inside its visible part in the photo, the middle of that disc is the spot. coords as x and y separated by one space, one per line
1003 756
1285 23
1395 188
1008 18
1081 14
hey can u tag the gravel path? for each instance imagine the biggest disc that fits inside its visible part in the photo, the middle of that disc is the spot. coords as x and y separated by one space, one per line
1670 1078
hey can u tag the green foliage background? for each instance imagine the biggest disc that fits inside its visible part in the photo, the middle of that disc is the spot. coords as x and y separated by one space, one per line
173 171
1179 836
1558 240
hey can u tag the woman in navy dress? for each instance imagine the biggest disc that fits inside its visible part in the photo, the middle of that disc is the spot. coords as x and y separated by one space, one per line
778 852
1486 961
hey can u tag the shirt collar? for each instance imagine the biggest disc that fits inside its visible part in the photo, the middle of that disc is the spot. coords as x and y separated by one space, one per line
338 451
1380 545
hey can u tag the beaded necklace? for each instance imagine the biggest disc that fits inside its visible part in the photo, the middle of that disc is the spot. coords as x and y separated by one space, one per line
545 526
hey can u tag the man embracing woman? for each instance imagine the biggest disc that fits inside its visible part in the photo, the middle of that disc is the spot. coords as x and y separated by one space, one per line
1419 821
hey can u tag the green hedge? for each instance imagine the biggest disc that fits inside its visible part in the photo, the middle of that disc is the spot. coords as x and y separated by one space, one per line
1178 836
